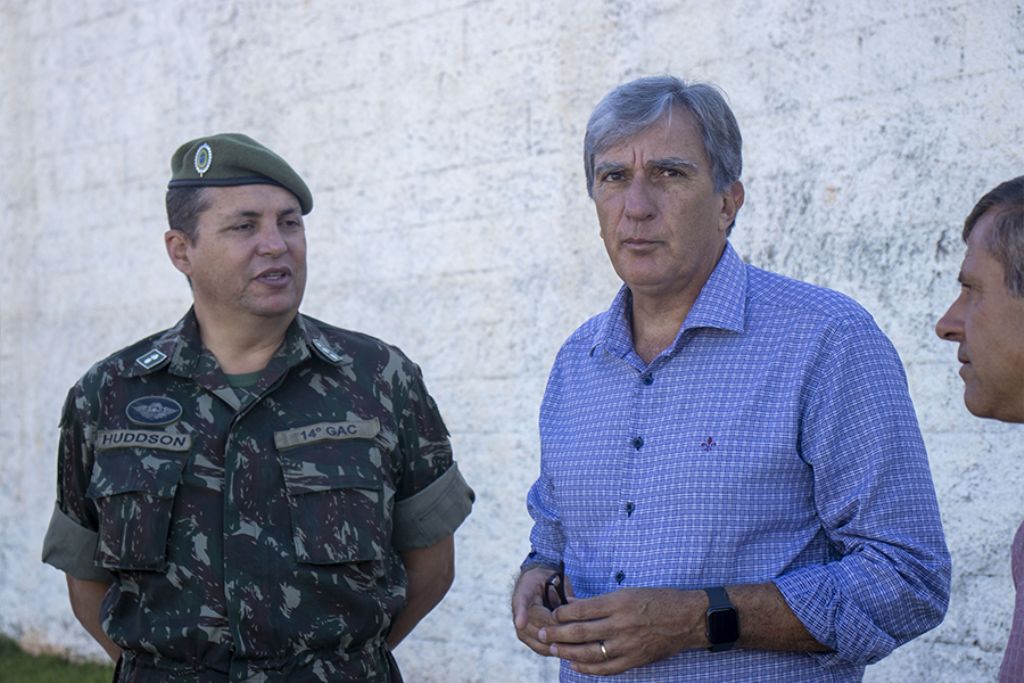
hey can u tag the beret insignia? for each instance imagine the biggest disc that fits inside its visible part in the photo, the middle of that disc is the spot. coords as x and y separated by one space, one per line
204 157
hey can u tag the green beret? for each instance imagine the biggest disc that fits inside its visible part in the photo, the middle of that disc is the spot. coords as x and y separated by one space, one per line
234 159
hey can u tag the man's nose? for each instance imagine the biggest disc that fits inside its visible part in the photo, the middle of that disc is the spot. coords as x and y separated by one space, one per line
639 204
950 325
271 241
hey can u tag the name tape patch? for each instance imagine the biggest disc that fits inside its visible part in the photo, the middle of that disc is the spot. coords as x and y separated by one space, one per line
107 439
326 431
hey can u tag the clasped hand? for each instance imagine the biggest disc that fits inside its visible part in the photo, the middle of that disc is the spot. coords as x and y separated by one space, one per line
636 626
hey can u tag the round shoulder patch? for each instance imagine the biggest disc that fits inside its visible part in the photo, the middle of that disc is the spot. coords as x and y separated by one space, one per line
153 411
204 157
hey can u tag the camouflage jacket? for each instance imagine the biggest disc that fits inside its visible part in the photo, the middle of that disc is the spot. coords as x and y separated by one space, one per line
251 533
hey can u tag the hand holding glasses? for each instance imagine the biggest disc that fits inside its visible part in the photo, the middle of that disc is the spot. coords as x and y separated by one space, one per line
554 589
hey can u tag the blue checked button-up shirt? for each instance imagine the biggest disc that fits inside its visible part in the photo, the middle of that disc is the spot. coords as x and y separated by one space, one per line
774 440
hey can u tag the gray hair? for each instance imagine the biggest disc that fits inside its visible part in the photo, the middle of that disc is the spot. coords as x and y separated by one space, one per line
184 204
636 105
1006 240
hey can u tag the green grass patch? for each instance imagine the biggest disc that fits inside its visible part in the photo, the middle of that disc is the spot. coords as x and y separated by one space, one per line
17 666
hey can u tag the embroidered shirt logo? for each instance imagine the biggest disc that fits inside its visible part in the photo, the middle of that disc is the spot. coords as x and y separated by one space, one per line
153 411
707 444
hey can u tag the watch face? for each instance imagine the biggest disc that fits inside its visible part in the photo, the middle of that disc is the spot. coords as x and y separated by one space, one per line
723 625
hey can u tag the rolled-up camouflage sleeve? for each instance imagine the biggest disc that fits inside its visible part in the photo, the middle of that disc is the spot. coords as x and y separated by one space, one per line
72 536
432 497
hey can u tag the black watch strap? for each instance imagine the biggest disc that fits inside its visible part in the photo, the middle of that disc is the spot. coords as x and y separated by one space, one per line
722 624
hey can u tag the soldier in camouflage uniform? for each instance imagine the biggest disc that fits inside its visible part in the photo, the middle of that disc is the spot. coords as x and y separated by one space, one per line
252 495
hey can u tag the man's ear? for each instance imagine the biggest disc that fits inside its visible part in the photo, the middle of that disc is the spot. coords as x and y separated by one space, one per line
732 200
177 245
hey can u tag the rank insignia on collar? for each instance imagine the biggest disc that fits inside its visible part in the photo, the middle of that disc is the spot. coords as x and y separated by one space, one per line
151 359
326 349
153 411
204 158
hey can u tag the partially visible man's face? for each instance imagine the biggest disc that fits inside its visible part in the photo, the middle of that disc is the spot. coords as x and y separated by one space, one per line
249 256
662 222
988 323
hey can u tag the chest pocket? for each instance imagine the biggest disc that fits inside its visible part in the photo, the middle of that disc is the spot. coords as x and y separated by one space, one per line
337 496
134 490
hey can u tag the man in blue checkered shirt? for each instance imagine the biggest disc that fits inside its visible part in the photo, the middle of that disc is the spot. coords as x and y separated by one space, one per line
733 484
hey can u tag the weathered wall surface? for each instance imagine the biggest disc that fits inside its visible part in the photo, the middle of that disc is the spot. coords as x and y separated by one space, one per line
442 140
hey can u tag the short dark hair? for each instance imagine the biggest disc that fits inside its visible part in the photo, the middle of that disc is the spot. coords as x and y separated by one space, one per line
1006 240
184 204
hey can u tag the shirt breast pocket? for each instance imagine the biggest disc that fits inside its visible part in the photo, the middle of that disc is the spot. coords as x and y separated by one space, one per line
336 496
134 491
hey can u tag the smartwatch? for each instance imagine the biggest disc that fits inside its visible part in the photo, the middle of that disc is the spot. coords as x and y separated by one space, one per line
722 623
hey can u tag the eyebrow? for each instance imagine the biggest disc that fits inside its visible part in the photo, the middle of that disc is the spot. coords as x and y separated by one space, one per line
664 162
607 166
672 162
256 214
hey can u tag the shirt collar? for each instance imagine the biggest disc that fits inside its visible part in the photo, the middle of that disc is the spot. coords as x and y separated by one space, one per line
721 304
722 301
614 333
177 349
309 339
180 348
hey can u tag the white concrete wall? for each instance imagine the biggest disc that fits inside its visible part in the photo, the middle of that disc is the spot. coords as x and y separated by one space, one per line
442 140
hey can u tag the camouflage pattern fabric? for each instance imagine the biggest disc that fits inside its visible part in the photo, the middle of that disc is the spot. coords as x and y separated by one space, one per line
248 531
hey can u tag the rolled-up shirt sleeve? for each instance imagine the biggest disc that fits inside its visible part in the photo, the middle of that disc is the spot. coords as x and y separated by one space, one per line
875 499
72 535
432 497
70 547
547 539
433 513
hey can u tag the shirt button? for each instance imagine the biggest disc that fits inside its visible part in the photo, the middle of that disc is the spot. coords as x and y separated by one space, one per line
630 507
648 380
620 576
638 442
